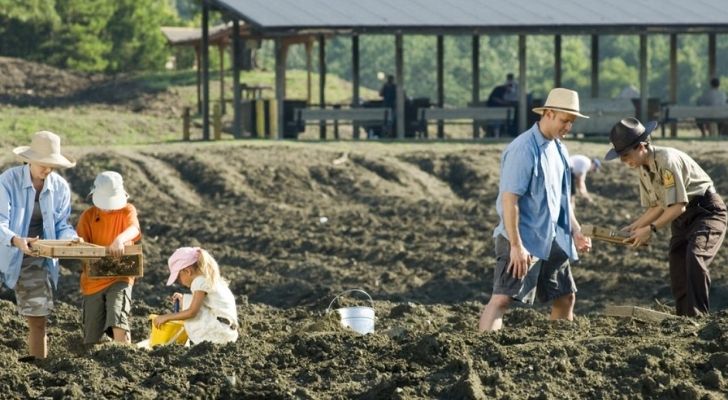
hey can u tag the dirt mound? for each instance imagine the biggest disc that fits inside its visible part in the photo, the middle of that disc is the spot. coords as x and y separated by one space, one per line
25 80
26 83
293 225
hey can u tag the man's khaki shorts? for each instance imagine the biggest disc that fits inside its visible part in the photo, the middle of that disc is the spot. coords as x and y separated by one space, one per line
33 292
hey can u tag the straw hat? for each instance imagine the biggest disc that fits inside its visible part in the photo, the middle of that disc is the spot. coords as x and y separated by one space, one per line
563 100
44 149
108 192
626 135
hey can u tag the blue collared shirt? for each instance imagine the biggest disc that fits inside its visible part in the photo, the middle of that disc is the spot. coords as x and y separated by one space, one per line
17 200
537 171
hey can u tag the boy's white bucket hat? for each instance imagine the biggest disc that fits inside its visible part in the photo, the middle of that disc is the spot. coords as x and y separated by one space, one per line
563 100
108 192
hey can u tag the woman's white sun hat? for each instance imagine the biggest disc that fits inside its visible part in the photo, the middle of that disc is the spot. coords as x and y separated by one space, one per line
45 149
108 192
563 100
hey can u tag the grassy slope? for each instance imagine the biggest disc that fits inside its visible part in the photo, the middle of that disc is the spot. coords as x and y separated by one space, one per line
101 125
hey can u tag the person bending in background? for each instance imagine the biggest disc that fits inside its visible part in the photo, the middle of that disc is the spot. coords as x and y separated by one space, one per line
676 192
209 313
35 203
538 233
111 222
580 166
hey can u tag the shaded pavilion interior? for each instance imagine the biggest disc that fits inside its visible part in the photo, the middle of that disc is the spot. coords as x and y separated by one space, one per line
288 22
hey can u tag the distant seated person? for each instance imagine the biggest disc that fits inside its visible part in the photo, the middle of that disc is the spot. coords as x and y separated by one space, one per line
712 97
580 166
497 97
511 85
629 92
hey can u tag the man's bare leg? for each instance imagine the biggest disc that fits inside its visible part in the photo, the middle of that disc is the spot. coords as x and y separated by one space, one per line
491 318
563 307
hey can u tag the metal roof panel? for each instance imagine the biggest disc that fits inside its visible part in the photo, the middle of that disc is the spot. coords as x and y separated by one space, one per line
479 14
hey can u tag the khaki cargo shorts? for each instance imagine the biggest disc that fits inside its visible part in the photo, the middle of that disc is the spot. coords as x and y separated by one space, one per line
33 292
107 309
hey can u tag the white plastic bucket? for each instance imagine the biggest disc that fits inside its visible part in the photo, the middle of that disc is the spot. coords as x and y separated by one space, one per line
359 319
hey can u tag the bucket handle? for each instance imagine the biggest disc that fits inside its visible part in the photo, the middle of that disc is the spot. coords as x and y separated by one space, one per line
176 335
328 309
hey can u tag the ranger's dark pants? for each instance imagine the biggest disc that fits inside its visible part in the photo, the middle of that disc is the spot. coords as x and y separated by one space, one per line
696 237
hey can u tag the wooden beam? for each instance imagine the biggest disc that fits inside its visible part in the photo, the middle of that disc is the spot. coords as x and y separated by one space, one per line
322 82
522 103
711 56
355 81
237 54
399 67
440 82
594 66
221 51
557 60
475 90
673 79
644 89
643 314
309 49
205 72
198 76
281 50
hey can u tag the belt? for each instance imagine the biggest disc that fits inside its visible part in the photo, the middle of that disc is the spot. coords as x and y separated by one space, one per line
709 191
227 322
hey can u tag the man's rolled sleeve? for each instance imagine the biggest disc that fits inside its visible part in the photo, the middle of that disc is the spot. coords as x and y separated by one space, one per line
516 171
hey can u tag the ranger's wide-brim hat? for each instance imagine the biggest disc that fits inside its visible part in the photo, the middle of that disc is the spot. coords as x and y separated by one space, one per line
44 149
563 100
626 134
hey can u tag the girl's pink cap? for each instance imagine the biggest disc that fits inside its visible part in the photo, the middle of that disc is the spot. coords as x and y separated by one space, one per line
181 259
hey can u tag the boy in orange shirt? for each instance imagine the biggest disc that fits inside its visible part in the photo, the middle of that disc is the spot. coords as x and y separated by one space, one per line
110 222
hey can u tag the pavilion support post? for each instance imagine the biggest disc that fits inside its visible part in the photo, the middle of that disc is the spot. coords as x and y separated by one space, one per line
309 49
237 53
322 83
643 78
475 95
440 83
205 72
355 82
673 79
221 50
711 57
399 67
198 76
557 60
281 49
522 104
594 66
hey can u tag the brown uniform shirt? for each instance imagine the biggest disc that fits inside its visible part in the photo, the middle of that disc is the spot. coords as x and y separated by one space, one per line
671 177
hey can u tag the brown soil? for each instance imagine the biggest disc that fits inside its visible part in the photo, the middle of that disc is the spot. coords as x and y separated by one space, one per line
25 83
411 225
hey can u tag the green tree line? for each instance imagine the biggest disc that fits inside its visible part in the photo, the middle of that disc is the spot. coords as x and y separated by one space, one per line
124 36
618 63
88 35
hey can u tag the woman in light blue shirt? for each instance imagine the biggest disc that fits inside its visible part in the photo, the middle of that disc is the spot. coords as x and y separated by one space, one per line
35 203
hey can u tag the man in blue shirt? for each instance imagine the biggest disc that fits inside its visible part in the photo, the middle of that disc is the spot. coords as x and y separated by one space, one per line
35 203
538 233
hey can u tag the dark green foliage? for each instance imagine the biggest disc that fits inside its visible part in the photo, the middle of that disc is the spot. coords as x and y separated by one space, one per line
88 35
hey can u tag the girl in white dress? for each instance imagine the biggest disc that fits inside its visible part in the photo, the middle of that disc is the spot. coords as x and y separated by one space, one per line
209 312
